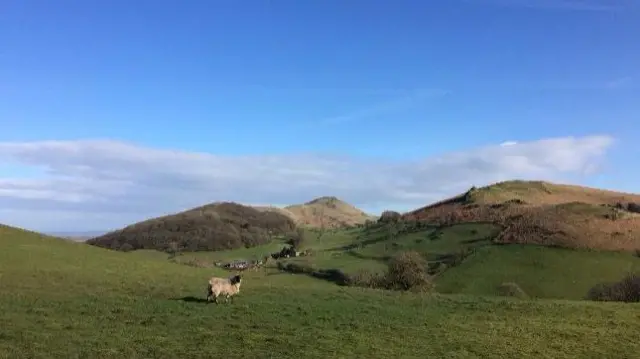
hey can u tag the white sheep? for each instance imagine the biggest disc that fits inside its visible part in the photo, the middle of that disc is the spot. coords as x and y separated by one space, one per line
223 286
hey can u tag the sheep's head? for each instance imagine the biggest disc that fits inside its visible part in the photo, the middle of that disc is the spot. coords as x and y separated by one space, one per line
236 279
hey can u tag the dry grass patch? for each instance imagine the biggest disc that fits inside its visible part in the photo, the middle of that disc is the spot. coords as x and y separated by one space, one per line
327 212
544 213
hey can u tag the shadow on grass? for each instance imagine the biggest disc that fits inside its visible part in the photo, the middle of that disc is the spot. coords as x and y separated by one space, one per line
382 259
331 275
191 299
275 273
478 241
351 246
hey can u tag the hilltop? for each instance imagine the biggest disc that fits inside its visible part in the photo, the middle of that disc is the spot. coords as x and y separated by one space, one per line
217 226
544 213
229 225
324 212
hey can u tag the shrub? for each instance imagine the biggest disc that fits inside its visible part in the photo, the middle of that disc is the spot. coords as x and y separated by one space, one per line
510 289
637 252
390 217
126 247
468 196
296 239
633 207
407 271
626 290
605 292
435 235
285 252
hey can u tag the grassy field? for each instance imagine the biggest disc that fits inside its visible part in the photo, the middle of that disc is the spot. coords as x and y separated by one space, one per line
356 249
542 272
61 299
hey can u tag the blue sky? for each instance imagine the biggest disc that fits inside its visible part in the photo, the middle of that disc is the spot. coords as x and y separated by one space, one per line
378 84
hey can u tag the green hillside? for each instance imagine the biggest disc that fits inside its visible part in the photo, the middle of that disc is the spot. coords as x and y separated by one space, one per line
463 259
541 272
216 226
61 299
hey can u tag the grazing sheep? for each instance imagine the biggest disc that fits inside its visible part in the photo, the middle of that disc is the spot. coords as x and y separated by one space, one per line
223 286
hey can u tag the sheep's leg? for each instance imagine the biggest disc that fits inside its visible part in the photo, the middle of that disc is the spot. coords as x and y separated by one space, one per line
209 293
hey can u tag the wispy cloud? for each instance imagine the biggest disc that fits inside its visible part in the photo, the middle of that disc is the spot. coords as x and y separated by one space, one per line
104 184
619 83
567 5
386 107
610 84
606 85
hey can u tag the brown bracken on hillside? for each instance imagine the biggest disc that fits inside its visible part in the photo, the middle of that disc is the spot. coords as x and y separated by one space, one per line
535 212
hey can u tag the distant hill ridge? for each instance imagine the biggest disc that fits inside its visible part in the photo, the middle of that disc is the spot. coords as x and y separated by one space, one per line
216 226
328 212
530 212
229 225
544 213
326 200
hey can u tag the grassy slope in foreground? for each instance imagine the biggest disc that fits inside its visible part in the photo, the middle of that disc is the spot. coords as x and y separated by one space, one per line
61 299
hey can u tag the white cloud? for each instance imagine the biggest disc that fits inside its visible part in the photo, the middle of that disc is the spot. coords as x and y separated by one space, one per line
103 184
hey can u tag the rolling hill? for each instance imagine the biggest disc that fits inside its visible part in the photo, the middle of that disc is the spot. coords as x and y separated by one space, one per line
223 225
324 212
108 304
462 258
543 213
